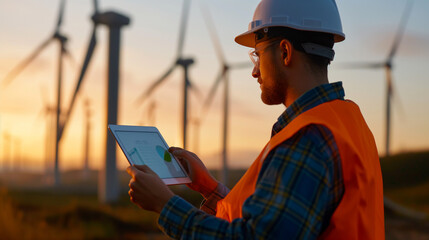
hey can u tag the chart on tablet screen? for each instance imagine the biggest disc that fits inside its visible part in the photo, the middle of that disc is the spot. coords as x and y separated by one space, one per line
135 156
163 153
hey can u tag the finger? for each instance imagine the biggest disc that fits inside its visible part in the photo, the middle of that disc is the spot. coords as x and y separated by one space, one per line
132 200
181 153
185 164
194 155
143 168
131 171
173 149
131 184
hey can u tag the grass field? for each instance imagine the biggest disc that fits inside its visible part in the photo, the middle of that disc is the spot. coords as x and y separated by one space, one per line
406 179
30 210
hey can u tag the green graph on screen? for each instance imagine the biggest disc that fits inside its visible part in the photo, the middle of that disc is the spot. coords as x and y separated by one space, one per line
163 153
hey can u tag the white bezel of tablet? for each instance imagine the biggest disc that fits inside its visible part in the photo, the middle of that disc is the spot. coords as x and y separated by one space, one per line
148 141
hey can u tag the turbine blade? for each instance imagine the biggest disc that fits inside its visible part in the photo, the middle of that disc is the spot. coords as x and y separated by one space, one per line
183 25
152 88
361 65
45 105
398 102
212 92
195 90
15 71
401 30
394 96
212 30
60 15
70 57
241 65
88 56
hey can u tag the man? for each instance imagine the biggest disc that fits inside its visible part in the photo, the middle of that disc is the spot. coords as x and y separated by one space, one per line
318 177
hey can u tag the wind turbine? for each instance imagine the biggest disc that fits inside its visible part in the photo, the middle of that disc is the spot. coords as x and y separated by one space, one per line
388 66
18 155
179 61
7 151
222 76
88 114
48 111
62 40
109 186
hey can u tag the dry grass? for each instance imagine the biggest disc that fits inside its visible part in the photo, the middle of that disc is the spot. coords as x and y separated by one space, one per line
15 225
71 212
406 179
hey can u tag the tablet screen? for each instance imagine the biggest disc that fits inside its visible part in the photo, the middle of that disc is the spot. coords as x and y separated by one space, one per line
148 148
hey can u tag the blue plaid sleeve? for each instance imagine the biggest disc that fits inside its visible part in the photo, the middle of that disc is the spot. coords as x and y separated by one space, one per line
210 202
299 187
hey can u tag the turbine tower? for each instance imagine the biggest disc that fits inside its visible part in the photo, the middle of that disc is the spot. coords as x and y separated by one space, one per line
6 151
108 181
222 76
48 111
387 65
62 40
185 63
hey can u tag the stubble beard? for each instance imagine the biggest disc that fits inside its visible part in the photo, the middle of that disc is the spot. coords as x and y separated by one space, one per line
272 95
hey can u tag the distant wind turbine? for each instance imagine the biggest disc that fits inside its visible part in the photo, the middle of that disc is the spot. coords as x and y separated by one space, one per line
185 63
18 155
222 76
48 111
62 40
108 185
6 151
388 66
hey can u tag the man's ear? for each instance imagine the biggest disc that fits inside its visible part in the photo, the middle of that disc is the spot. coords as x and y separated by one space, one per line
287 51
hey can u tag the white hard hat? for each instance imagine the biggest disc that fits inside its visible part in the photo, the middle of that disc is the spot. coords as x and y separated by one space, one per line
305 15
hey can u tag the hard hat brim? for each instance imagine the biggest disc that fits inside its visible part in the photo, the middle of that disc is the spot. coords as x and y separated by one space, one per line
247 39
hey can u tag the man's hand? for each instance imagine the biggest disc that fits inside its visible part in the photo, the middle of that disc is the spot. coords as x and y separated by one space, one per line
202 181
147 190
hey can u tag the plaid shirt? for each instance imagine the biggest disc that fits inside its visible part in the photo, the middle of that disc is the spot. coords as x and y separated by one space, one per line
298 188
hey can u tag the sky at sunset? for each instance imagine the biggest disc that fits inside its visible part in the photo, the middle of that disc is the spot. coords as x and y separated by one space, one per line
148 48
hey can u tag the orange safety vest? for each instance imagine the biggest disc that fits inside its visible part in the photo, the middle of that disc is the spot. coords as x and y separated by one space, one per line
360 214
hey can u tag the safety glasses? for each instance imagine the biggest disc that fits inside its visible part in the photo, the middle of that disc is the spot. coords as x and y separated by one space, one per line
255 53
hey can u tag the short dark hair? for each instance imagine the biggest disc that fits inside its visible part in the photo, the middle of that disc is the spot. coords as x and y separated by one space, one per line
297 38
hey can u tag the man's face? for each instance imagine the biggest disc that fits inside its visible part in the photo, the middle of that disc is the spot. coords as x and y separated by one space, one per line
268 70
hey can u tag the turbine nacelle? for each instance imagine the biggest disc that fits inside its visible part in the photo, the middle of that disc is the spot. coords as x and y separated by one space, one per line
185 62
388 65
112 19
63 39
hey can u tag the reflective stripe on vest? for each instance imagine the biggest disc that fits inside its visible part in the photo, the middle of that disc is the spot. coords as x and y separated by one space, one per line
360 214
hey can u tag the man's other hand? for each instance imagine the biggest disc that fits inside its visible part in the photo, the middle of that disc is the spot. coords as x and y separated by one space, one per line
202 181
147 190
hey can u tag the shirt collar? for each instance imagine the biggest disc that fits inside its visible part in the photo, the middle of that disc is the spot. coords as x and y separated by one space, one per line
310 99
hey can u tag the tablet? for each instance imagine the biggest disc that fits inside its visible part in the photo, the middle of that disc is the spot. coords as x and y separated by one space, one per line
146 146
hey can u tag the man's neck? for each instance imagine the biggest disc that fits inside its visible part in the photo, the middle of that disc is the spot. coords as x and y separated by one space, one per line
303 83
